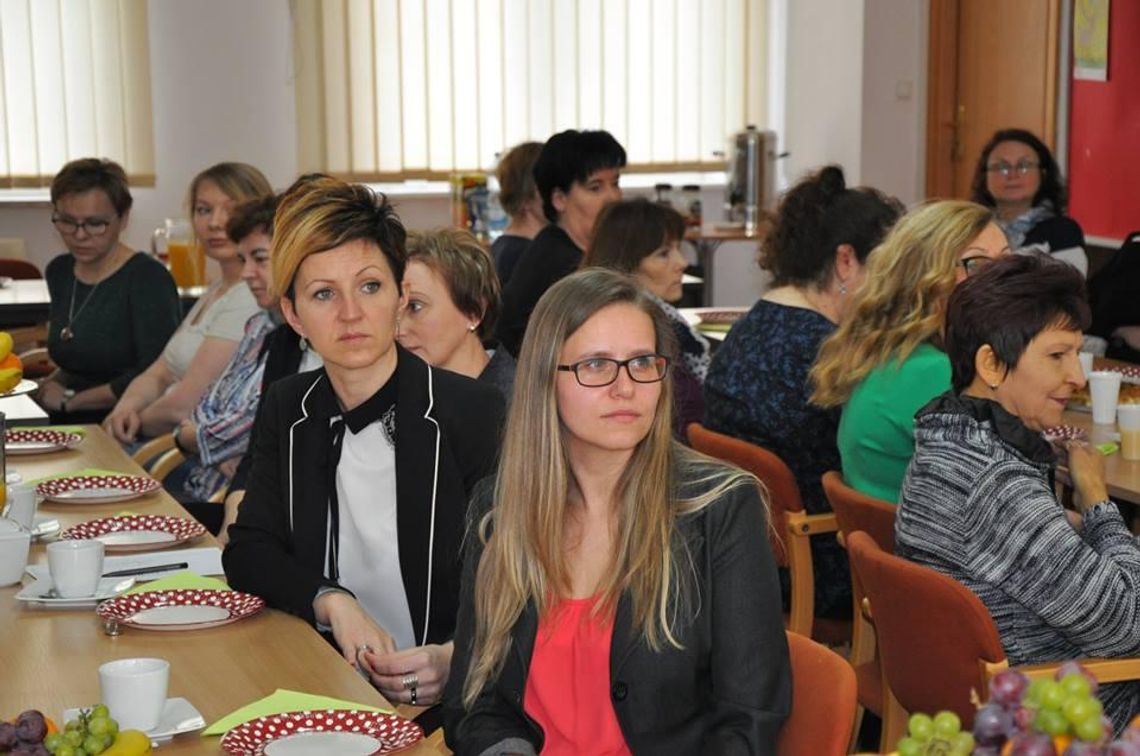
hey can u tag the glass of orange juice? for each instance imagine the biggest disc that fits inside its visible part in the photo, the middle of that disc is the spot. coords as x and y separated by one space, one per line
174 244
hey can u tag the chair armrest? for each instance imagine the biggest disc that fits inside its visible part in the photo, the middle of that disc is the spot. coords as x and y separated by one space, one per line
1104 670
804 524
151 450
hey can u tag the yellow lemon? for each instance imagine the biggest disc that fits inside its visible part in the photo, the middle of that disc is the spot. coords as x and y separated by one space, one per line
129 743
10 378
5 344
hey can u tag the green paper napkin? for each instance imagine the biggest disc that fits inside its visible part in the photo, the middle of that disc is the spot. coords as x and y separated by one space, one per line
181 581
78 474
279 702
715 327
78 429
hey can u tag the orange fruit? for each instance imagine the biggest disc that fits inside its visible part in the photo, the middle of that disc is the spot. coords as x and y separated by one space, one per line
11 361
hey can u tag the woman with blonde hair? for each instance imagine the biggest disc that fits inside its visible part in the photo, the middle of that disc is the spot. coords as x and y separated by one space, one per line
356 501
167 392
588 620
886 360
453 302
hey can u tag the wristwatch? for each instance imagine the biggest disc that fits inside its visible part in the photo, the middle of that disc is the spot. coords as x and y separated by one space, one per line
67 394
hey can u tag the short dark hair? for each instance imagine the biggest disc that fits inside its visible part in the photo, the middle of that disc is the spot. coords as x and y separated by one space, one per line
252 215
467 270
1007 304
817 215
1052 186
573 156
629 231
86 174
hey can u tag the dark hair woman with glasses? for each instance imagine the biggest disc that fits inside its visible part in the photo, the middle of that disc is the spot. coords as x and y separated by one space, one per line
603 539
1017 176
886 360
112 308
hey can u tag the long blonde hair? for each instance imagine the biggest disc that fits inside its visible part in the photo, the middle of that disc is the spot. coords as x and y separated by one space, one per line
524 560
902 301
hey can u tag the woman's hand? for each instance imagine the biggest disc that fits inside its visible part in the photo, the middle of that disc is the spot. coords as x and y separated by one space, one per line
425 666
355 632
123 423
50 395
1086 467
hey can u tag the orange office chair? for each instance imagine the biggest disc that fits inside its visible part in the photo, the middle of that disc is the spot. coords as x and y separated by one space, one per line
856 511
823 701
937 641
791 527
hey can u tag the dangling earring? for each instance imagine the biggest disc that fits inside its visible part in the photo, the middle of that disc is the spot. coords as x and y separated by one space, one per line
842 289
304 344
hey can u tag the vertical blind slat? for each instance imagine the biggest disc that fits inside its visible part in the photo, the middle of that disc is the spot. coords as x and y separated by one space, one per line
447 84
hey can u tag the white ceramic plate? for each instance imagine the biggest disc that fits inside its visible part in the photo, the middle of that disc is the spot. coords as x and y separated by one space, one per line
42 592
26 386
178 718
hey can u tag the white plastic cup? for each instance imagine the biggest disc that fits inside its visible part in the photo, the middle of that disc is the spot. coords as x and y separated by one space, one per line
1104 389
22 505
135 691
1086 359
14 545
1128 417
75 567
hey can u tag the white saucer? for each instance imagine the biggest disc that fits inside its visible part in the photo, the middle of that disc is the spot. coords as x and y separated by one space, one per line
178 718
40 592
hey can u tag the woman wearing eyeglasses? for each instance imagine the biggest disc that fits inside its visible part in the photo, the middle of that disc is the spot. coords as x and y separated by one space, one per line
886 360
618 591
167 392
1018 177
112 308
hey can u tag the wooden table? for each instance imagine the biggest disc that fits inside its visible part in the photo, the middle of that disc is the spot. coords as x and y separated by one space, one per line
1122 475
49 657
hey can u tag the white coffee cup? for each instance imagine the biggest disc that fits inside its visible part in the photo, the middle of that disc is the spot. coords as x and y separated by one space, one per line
75 567
1104 390
1086 359
22 505
14 545
135 691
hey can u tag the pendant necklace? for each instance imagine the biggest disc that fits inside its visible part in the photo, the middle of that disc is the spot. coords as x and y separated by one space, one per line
67 334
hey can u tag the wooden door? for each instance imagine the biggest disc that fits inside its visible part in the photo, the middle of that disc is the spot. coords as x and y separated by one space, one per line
992 65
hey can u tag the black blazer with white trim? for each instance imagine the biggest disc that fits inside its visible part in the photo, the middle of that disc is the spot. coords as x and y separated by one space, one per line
447 438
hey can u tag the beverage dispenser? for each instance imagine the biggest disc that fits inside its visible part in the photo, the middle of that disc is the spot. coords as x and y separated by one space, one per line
751 185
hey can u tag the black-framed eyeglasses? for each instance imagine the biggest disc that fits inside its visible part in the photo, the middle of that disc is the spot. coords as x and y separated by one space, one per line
1023 167
595 372
91 226
974 263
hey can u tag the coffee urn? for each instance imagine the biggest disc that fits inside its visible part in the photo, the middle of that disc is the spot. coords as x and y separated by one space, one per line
751 186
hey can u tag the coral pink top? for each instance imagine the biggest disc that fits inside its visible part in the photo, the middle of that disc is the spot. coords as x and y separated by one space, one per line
568 687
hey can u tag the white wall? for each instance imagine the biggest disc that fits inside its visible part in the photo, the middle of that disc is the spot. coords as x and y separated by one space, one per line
893 152
824 86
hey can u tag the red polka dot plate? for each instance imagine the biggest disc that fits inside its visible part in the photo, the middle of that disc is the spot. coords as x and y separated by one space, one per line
137 532
39 440
97 489
181 609
1065 433
346 732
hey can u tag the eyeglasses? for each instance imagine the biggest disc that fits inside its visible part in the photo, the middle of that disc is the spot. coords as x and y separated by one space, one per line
91 226
602 371
975 263
1023 167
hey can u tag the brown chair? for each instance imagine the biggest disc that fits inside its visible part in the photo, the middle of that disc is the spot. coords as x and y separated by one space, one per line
789 521
159 456
823 701
37 363
937 641
856 511
21 270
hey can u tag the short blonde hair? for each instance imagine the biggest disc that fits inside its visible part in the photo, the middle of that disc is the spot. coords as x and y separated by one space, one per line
467 270
238 181
902 302
325 213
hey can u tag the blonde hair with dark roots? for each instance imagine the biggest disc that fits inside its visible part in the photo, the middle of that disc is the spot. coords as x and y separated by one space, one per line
902 301
524 559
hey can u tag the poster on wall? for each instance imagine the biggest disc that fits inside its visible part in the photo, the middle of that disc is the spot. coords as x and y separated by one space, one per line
1090 40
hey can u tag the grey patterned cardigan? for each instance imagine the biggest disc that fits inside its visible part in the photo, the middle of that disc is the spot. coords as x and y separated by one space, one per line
976 504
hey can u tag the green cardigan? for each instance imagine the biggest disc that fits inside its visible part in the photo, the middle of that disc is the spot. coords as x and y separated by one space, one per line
876 431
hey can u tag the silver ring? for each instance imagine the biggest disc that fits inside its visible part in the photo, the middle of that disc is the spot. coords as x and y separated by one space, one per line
413 692
410 681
